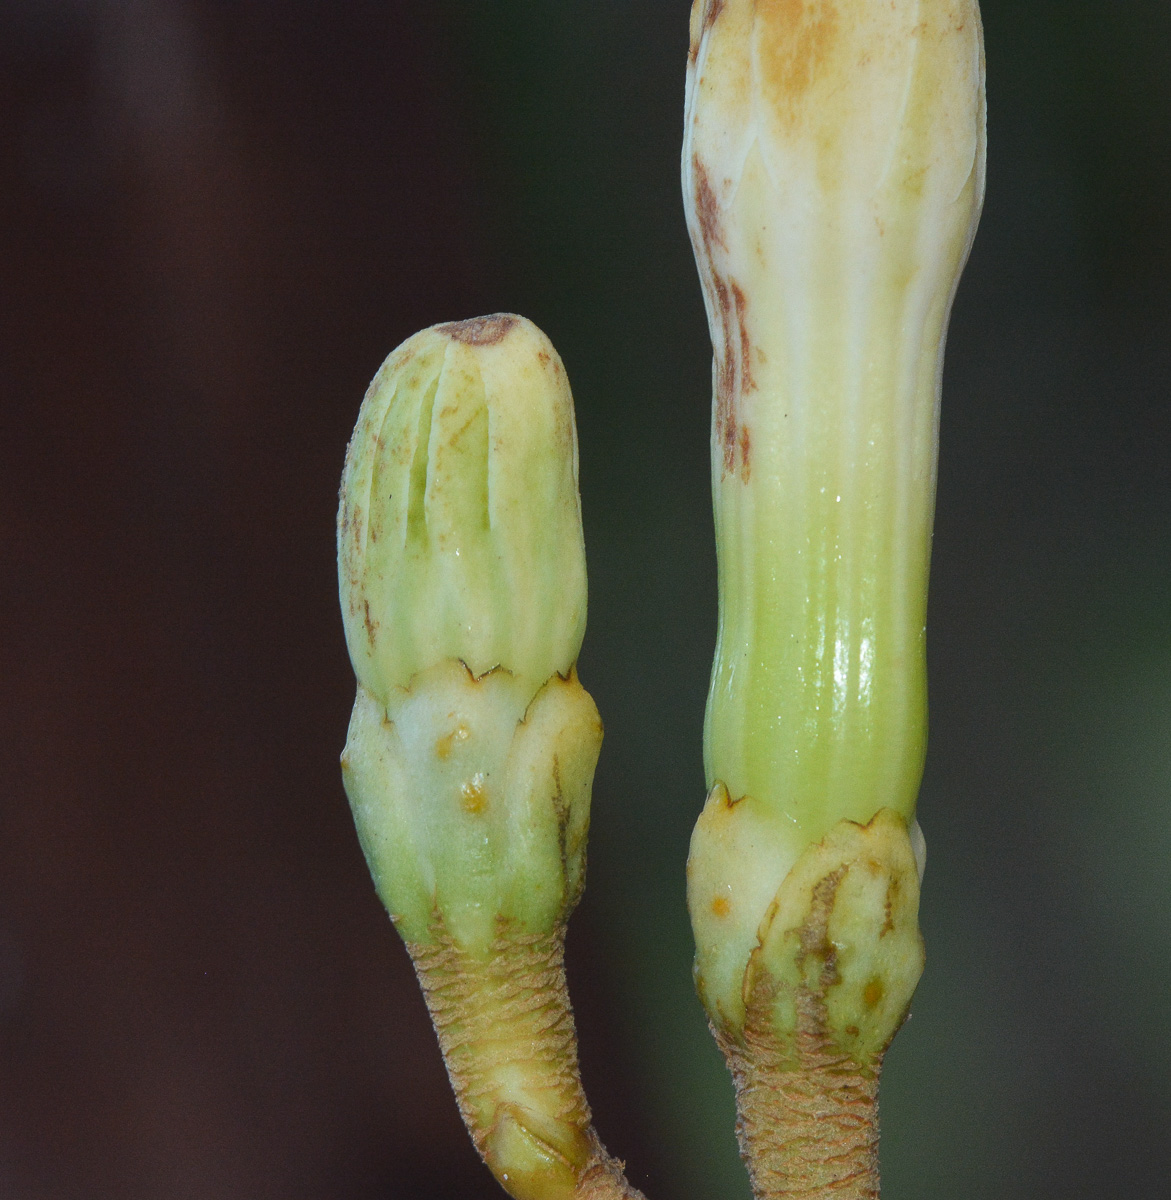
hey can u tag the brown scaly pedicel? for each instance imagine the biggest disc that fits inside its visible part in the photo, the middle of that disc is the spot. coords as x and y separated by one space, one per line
807 1121
812 1132
506 1030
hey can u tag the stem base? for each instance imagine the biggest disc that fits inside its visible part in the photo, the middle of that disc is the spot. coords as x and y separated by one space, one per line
809 1130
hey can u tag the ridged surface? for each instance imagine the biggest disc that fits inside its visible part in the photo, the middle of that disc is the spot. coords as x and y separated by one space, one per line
506 1030
832 176
459 525
811 1132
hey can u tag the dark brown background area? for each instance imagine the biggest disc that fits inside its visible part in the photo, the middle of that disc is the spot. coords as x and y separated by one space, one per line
215 220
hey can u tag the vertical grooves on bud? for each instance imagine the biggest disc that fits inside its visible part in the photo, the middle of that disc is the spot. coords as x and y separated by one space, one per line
459 530
420 461
853 541
842 225
480 433
360 513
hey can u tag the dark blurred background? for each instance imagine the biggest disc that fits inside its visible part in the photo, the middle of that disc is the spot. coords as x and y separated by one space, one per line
215 220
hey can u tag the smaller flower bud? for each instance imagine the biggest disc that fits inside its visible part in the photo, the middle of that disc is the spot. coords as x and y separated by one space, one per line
472 745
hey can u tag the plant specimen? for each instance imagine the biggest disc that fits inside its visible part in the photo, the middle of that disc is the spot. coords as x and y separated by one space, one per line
833 172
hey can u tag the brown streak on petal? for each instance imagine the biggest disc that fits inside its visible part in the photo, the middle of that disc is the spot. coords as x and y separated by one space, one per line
747 383
707 207
711 12
734 365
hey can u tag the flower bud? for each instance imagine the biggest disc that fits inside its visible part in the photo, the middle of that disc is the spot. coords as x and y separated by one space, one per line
833 173
459 531
472 745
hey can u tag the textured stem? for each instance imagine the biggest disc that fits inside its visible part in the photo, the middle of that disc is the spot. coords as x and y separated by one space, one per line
506 1029
807 1108
809 1130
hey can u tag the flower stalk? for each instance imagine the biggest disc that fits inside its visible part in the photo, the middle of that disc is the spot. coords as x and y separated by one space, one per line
472 746
833 173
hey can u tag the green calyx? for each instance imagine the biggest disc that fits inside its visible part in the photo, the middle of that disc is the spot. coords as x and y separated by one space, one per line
837 955
471 798
459 529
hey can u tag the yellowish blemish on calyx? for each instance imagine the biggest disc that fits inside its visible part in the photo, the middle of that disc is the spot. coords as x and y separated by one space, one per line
473 796
445 744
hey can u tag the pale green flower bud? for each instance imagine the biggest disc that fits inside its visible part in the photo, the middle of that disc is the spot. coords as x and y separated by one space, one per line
833 172
459 532
472 745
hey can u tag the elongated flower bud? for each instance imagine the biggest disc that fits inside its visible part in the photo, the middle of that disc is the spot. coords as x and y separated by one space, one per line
833 171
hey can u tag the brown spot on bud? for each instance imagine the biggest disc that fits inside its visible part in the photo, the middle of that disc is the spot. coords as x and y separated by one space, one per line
873 992
480 331
721 906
